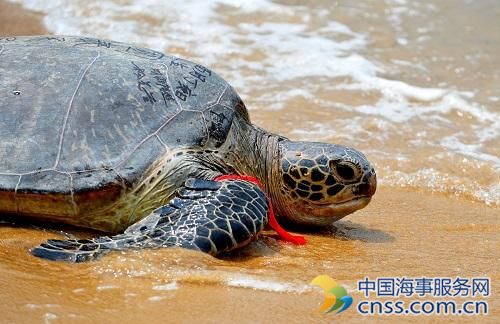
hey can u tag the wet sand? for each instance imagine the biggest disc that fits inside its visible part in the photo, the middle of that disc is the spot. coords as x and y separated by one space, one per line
14 21
401 233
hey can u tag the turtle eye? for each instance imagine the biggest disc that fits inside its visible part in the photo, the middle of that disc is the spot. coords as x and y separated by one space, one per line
345 171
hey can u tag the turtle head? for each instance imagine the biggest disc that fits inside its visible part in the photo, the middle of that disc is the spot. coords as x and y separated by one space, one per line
321 183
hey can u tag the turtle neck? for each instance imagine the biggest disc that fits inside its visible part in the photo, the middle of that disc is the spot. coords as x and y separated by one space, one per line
254 151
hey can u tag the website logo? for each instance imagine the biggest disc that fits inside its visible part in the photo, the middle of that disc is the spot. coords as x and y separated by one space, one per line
336 297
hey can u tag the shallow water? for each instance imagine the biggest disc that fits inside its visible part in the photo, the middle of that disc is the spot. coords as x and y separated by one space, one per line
414 85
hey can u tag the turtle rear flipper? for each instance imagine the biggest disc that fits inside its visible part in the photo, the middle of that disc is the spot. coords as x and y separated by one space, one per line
208 216
75 250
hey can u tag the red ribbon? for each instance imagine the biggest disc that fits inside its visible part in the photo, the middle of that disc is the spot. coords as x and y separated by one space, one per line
283 234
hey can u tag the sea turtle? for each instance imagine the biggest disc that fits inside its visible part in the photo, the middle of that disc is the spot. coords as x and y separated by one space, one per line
122 139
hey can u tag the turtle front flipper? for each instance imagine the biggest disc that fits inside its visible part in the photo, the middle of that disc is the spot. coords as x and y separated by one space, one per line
208 216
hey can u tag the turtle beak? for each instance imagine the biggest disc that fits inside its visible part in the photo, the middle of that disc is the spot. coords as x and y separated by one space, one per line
369 187
327 214
373 184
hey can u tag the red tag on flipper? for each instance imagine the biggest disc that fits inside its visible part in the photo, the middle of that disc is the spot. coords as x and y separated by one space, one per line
283 234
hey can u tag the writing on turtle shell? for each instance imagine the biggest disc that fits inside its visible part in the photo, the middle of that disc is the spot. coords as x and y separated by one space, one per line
194 74
94 41
146 86
144 52
178 63
143 85
162 83
136 51
217 126
57 39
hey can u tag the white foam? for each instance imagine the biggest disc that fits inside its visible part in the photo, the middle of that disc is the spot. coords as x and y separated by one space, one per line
437 181
472 150
78 290
267 285
49 317
167 287
396 104
156 298
107 287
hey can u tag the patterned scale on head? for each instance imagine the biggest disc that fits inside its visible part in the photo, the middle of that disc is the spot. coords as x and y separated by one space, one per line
322 182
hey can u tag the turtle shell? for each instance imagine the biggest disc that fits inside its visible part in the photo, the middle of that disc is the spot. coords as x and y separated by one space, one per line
82 118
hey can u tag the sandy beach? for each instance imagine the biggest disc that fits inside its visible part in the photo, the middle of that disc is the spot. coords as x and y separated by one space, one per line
404 232
14 20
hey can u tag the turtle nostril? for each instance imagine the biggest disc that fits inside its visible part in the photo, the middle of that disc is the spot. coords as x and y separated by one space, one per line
345 171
